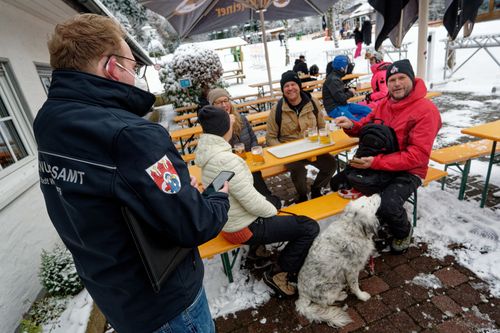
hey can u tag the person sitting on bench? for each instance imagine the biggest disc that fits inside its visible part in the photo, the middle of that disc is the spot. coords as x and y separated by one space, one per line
416 122
336 93
288 120
242 133
252 220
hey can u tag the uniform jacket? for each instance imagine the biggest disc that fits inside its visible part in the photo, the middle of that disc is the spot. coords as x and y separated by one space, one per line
292 125
416 121
300 66
246 135
213 155
379 86
97 155
334 91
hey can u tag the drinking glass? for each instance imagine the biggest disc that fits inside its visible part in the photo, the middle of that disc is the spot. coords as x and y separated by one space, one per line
239 149
324 138
257 155
312 134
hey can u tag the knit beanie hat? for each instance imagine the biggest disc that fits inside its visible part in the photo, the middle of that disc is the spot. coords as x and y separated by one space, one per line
214 120
290 76
216 93
400 66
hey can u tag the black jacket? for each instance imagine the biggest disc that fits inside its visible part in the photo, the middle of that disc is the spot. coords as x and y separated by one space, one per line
96 155
334 91
300 66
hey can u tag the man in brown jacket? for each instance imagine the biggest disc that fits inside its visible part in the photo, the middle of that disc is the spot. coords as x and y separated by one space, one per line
298 113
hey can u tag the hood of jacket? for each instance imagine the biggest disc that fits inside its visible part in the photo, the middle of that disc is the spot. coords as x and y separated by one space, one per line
96 90
381 66
212 146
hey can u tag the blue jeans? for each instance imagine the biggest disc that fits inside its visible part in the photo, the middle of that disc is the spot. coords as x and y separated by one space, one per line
351 111
195 319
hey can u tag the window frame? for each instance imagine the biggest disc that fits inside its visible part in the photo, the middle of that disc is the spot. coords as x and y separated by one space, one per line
18 177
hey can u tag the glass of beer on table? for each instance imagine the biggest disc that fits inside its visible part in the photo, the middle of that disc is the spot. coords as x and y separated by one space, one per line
257 155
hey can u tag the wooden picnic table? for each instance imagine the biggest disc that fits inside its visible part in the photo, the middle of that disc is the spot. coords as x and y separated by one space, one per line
256 104
342 143
490 131
186 108
186 116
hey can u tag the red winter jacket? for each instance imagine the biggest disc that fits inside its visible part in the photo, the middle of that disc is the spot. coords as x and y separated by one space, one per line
416 121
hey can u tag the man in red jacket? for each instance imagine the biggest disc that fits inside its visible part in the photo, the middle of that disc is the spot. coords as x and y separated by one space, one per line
416 122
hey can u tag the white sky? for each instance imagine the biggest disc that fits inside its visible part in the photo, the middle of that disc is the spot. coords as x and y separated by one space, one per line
442 218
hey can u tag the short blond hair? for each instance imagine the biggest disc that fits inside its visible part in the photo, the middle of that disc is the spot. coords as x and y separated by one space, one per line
79 42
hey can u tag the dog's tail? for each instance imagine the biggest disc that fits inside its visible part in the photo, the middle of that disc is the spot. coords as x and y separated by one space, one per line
332 315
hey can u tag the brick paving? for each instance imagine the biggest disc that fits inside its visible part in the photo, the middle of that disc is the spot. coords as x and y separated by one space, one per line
461 303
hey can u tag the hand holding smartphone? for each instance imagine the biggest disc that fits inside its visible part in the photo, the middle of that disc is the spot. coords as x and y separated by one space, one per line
218 182
356 160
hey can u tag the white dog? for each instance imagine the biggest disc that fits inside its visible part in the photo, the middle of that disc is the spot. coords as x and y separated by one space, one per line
334 261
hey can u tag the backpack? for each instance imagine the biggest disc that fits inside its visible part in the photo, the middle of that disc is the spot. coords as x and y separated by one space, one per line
374 139
279 111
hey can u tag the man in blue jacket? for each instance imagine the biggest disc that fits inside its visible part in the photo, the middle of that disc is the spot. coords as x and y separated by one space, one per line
98 159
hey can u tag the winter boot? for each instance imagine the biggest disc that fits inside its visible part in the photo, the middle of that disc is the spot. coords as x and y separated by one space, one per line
399 246
279 282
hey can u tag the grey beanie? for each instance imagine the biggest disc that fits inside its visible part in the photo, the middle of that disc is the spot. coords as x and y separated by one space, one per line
216 93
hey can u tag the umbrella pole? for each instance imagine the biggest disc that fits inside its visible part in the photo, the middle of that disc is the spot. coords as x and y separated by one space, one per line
423 20
261 14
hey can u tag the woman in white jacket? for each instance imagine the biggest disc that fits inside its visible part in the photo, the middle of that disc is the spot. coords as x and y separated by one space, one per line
252 219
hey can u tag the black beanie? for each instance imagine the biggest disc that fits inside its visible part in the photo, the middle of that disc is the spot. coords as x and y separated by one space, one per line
290 76
400 66
214 120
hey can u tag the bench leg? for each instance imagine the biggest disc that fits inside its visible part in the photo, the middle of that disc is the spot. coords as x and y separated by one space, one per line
486 182
443 181
227 266
413 200
463 183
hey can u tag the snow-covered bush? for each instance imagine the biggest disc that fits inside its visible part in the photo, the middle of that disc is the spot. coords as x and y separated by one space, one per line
58 274
202 66
46 311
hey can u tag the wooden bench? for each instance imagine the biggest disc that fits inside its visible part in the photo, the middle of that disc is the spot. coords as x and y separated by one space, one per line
319 208
186 117
462 154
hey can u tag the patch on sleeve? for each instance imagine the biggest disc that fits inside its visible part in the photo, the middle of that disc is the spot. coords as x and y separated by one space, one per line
165 176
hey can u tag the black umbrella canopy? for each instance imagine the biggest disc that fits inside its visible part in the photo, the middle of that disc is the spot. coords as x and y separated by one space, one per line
190 17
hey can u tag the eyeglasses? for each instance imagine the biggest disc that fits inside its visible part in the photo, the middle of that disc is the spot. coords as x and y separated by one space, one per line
224 101
139 68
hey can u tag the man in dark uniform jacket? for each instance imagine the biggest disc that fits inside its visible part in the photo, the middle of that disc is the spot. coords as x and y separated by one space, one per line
98 159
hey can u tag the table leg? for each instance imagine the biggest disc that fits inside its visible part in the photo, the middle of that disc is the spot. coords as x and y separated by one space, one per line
485 189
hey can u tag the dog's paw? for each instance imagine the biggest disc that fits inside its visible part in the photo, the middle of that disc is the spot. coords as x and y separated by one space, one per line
363 296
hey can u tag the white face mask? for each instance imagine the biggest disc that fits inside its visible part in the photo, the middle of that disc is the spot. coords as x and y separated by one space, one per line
141 84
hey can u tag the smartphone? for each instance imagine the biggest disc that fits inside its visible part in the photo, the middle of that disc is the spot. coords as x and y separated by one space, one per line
218 182
356 160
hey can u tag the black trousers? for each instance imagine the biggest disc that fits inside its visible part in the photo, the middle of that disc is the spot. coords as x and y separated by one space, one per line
261 187
298 231
325 163
391 211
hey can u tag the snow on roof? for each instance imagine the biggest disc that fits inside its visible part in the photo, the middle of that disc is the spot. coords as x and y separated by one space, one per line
220 44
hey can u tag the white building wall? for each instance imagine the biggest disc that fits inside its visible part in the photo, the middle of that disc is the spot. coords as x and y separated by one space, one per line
25 228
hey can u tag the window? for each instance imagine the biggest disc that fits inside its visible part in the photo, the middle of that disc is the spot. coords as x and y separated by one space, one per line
484 8
45 73
17 159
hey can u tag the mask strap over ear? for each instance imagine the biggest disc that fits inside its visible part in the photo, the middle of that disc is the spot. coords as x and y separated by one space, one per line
109 68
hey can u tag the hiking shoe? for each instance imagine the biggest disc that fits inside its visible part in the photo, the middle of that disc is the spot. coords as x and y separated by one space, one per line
280 284
401 245
257 252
